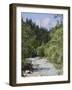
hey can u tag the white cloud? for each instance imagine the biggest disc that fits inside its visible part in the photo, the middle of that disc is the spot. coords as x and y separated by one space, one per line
38 22
48 22
45 22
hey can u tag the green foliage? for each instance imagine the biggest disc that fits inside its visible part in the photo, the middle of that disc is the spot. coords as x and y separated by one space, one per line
54 48
40 42
32 38
40 51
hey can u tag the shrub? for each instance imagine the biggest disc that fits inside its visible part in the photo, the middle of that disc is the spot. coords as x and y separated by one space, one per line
40 51
54 48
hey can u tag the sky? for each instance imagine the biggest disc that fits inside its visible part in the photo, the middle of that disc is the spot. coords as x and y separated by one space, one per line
45 20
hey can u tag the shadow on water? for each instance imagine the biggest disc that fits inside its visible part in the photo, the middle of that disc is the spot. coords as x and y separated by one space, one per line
44 68
40 69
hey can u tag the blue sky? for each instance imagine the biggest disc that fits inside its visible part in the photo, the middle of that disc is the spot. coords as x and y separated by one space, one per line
45 20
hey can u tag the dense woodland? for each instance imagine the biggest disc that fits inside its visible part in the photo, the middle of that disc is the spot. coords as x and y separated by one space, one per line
38 41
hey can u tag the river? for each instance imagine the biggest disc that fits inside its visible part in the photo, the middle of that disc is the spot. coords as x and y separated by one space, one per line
42 68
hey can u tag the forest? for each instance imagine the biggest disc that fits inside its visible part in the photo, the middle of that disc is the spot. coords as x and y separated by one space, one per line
39 42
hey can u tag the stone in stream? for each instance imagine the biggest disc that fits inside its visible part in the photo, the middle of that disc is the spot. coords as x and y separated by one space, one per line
27 68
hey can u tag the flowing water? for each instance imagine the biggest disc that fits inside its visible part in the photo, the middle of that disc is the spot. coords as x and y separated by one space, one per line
42 67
